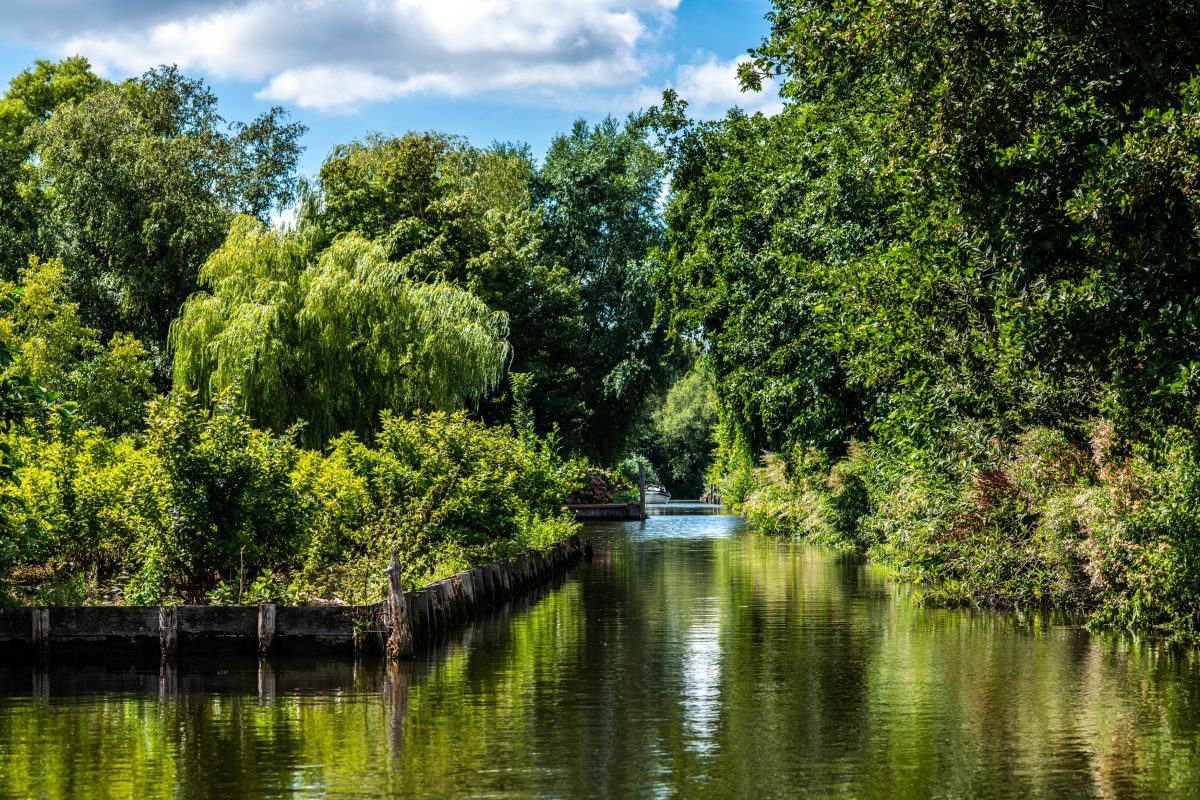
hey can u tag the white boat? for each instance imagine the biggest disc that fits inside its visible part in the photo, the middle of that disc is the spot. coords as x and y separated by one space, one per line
656 494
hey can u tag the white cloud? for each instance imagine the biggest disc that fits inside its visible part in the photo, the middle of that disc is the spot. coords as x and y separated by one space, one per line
711 87
339 54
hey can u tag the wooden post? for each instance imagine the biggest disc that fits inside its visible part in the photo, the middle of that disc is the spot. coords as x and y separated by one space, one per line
494 586
168 630
642 489
428 614
480 588
41 631
415 613
460 595
266 627
521 567
506 578
400 643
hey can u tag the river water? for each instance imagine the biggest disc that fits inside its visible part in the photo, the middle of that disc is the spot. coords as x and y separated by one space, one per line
690 658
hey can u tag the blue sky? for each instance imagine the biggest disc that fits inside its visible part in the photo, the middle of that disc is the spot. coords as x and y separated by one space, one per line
508 70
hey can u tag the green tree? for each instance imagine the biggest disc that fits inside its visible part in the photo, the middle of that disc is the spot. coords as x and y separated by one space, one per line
109 383
140 182
456 212
685 423
969 219
332 337
32 96
599 188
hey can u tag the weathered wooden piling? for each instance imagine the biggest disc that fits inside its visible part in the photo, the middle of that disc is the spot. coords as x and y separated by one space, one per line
460 596
468 590
168 630
400 642
266 628
477 586
495 590
40 631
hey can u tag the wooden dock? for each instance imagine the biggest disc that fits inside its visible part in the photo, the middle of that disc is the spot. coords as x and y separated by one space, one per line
419 615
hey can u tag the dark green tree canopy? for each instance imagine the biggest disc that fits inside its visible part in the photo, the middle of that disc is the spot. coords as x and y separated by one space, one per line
970 218
599 190
139 182
32 96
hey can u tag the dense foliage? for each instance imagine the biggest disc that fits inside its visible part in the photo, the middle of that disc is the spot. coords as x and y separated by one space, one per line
333 338
972 230
563 250
134 184
203 506
319 372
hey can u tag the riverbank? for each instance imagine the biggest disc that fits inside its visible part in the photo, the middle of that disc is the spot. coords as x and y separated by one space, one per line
391 626
1041 521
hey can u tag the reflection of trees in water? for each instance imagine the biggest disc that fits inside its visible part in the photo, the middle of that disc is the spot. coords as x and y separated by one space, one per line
720 667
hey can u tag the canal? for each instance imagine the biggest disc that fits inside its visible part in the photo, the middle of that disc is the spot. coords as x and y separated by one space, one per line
690 658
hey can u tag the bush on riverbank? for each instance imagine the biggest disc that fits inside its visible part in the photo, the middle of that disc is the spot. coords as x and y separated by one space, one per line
203 507
1040 521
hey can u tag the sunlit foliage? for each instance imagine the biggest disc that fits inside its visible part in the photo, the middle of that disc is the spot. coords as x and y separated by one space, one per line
333 337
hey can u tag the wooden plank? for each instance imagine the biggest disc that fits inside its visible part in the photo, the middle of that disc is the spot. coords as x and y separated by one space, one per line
438 610
480 588
104 621
318 622
449 602
16 623
424 606
468 589
40 630
495 589
217 621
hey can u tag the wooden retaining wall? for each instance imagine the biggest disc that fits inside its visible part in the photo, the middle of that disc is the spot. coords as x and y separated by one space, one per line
421 615
585 512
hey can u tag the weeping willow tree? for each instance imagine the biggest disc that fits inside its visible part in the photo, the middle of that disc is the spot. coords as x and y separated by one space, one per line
332 337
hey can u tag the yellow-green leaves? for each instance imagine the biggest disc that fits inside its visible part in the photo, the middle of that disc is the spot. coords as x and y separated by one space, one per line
334 337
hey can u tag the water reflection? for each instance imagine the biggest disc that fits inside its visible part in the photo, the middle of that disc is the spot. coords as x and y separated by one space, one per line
701 690
689 659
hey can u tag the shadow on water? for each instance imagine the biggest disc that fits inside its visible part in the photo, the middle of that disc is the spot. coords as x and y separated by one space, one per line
690 658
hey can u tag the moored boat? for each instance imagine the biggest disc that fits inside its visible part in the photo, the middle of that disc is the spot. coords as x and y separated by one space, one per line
657 494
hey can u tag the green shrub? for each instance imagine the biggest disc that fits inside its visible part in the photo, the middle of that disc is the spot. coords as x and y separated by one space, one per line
203 500
1039 521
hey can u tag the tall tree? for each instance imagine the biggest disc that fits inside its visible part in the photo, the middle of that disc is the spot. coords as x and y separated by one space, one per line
465 214
32 96
970 218
599 188
140 183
